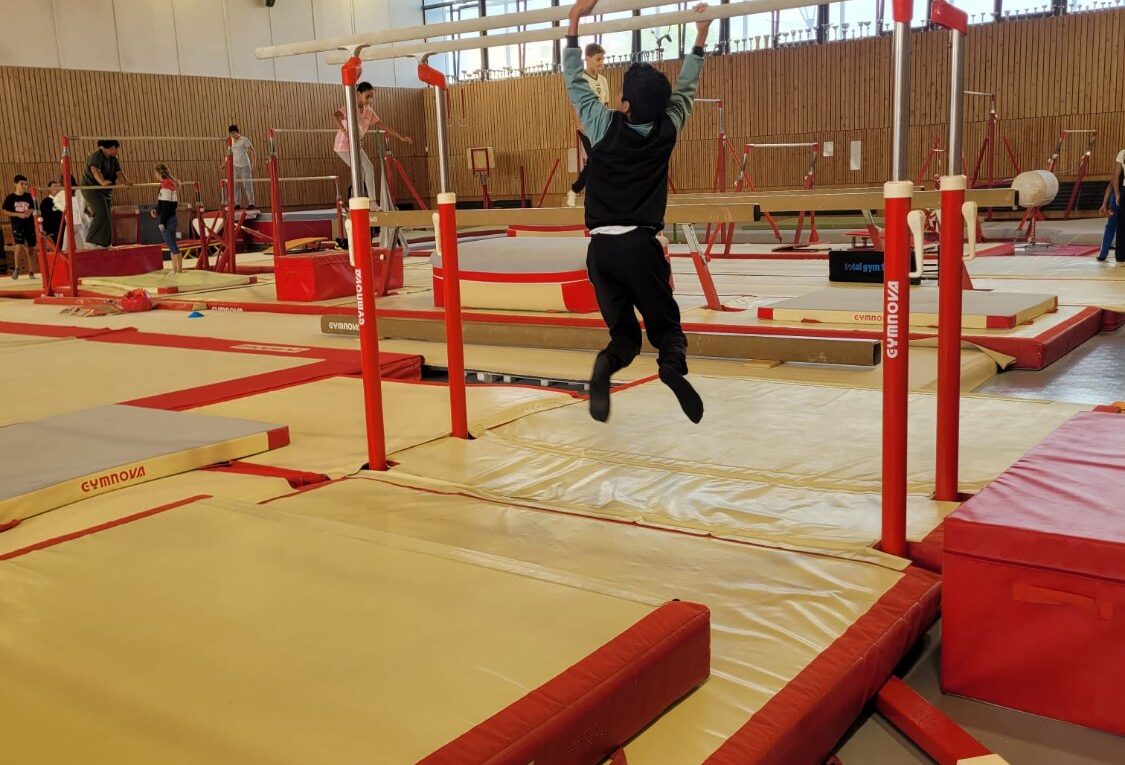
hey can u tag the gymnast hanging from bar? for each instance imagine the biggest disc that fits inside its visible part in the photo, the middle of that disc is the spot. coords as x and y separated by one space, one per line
626 197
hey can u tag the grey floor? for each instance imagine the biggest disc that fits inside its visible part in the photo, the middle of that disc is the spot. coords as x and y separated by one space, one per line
1021 739
1094 373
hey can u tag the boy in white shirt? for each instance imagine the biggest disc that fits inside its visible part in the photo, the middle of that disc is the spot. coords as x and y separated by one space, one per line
243 152
592 73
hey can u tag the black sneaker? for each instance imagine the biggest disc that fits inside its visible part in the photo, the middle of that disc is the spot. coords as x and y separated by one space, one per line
599 388
689 400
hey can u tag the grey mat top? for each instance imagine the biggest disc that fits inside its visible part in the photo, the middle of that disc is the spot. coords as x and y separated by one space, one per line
922 300
522 255
43 453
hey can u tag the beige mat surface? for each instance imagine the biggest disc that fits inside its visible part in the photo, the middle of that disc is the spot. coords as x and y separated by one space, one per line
326 424
788 434
51 378
772 611
219 632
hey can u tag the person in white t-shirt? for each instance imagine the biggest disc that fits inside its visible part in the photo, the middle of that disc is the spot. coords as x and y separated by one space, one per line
368 120
243 152
595 65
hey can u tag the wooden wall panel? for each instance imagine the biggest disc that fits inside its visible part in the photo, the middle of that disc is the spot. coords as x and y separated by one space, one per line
1048 74
39 105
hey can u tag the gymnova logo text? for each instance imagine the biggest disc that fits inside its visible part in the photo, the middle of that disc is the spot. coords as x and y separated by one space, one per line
107 480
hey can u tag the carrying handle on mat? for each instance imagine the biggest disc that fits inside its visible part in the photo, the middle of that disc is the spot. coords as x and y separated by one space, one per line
969 213
916 219
1046 596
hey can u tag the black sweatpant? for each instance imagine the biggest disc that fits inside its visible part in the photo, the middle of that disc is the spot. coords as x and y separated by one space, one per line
580 182
627 271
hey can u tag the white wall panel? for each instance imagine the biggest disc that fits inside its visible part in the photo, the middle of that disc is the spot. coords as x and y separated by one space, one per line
248 27
36 43
146 36
292 21
331 18
209 38
201 37
87 34
374 16
405 13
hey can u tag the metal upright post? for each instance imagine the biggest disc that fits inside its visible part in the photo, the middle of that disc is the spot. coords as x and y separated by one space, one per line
274 169
446 218
896 295
359 250
71 240
230 240
950 263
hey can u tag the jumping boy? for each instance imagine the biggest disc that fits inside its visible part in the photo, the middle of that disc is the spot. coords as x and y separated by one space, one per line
626 197
592 73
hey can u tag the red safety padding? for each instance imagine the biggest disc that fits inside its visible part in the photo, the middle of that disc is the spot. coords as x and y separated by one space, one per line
128 260
1060 507
313 276
1039 351
299 229
1034 576
930 730
803 722
593 708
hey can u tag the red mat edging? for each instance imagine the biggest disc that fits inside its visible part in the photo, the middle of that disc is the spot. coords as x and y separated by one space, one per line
227 390
52 330
1043 350
101 527
593 708
296 478
804 721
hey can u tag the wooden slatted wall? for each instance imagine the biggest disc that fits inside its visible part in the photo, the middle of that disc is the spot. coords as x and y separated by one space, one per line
39 105
1048 74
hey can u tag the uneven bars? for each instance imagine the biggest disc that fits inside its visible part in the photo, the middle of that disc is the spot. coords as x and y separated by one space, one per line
291 179
427 31
120 186
673 18
781 145
110 136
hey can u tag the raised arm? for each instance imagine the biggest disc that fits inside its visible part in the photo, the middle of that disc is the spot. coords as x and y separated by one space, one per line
592 114
684 94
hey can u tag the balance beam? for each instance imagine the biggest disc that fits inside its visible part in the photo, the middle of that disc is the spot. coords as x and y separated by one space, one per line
839 200
587 335
733 211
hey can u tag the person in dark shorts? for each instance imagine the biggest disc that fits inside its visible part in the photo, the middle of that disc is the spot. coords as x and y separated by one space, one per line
19 209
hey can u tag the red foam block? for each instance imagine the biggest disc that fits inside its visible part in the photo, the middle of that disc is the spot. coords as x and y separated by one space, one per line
128 260
1034 580
593 708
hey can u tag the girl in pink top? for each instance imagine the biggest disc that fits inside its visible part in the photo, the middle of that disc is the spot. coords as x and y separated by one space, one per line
368 119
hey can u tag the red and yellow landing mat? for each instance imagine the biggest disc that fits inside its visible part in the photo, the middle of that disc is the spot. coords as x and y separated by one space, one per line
69 457
211 631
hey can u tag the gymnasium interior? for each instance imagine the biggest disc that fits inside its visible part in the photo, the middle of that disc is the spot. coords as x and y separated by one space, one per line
296 475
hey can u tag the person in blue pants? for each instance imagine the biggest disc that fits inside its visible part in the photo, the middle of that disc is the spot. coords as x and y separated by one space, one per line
1111 206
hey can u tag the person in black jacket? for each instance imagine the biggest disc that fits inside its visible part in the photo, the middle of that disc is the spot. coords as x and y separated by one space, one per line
626 196
48 214
167 202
